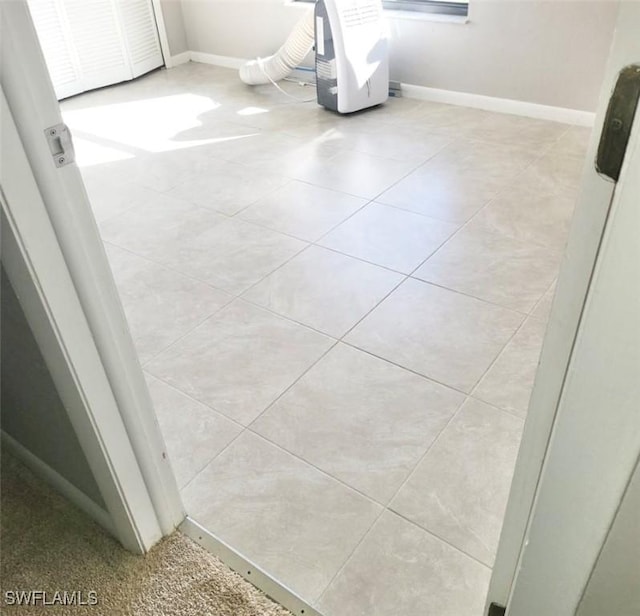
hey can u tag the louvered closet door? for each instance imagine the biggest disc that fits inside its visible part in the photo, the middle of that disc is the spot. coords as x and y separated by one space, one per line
98 42
141 35
57 48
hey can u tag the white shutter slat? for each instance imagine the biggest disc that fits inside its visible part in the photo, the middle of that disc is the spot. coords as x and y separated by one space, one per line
88 44
96 35
56 48
141 35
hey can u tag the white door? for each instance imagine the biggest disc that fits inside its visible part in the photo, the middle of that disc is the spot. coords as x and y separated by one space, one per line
88 44
582 437
52 251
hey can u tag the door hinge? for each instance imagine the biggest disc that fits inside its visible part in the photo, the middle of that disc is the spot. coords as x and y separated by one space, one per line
618 122
496 610
60 144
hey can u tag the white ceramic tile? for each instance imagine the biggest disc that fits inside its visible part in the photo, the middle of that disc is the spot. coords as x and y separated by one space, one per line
450 120
389 236
543 307
227 189
155 228
443 335
110 198
193 433
507 128
360 419
163 171
459 490
161 305
458 181
556 172
357 173
530 214
397 142
282 514
302 210
493 266
232 255
574 142
400 569
324 289
508 383
240 360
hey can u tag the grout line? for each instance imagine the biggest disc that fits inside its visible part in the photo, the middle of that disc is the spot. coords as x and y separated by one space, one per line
464 294
513 414
411 370
442 539
498 356
344 564
169 268
233 297
537 304
285 391
388 506
319 469
393 289
247 428
195 400
227 446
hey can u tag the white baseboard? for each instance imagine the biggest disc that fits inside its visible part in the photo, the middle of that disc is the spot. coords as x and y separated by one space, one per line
210 58
181 58
58 482
500 105
451 97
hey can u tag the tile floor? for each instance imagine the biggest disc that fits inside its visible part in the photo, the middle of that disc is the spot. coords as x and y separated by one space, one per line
339 319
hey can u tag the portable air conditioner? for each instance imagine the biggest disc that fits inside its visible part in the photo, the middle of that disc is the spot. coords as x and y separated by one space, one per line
352 56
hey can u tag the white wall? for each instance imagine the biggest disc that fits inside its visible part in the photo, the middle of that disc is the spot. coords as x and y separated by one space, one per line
174 25
31 411
551 52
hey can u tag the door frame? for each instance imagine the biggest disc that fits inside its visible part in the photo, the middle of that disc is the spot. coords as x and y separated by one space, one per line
595 444
37 271
576 275
34 108
161 26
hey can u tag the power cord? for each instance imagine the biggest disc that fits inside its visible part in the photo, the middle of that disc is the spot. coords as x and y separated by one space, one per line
295 98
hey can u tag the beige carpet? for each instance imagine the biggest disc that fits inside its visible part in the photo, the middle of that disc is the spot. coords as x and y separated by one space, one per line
47 544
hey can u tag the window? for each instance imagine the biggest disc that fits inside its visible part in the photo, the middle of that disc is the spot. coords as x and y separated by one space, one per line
447 7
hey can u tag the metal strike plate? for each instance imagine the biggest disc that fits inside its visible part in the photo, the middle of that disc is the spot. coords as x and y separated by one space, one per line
60 144
618 122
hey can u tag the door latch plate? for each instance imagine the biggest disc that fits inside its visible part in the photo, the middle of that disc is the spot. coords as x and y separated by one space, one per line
60 144
618 122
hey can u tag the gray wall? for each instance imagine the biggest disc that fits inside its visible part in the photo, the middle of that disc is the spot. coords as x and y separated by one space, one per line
174 25
614 587
547 52
30 409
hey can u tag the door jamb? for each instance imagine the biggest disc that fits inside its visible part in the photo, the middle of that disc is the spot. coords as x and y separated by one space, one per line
39 276
33 104
587 228
162 33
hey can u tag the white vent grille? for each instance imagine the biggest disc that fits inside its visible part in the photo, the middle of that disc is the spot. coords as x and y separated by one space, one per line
360 13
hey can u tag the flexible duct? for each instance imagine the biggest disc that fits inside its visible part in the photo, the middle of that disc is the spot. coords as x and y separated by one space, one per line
280 64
